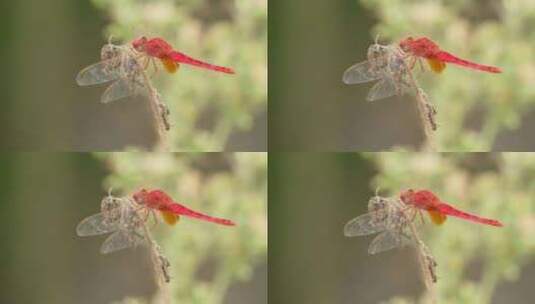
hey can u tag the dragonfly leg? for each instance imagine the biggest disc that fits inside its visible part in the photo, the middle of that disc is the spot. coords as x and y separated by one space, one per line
412 62
154 216
156 70
413 215
146 213
152 63
406 208
421 216
409 216
422 67
145 63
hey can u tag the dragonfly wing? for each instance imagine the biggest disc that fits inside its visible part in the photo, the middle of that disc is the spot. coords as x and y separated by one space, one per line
95 225
383 89
122 88
121 239
97 73
360 73
386 241
363 225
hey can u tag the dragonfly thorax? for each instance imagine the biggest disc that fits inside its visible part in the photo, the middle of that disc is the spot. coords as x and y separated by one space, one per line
139 43
140 197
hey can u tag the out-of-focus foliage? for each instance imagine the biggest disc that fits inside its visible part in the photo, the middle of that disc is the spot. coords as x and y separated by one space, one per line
231 186
498 186
205 106
491 32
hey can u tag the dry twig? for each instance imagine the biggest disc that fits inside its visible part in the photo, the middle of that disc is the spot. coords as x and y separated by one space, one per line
426 112
159 110
426 260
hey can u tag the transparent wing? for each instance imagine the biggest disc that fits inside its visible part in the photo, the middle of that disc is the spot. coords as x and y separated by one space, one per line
95 225
363 225
383 89
360 73
388 240
122 88
121 239
98 73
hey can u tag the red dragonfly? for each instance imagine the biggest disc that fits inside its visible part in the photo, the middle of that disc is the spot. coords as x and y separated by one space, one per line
125 218
123 66
437 58
171 210
391 218
170 58
439 210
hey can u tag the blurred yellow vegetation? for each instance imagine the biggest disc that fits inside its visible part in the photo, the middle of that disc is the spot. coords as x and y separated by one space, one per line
206 107
497 186
232 186
498 33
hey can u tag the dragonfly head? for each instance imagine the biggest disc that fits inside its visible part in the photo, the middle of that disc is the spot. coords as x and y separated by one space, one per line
406 44
140 197
407 196
139 43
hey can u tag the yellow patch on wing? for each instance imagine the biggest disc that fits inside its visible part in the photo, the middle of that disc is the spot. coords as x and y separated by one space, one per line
169 65
436 65
169 217
437 217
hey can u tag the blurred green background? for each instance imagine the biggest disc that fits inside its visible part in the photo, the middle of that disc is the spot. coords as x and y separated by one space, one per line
45 43
313 195
45 195
313 43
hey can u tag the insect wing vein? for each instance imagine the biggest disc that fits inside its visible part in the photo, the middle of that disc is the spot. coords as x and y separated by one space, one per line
363 225
386 241
121 239
98 73
95 225
360 73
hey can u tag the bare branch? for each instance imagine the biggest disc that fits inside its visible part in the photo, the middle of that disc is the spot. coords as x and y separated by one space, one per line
426 112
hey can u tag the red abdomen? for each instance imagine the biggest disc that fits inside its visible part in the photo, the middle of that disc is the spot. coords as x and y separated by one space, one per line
182 210
449 210
447 57
183 58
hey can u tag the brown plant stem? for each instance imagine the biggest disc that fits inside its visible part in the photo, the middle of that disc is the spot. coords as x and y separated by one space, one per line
425 260
159 116
426 113
159 121
160 264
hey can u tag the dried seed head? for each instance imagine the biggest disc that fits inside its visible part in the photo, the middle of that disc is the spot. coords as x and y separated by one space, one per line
109 51
377 203
111 209
378 56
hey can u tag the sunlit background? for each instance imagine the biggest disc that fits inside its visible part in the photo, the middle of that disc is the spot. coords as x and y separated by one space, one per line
312 43
45 43
44 195
313 195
